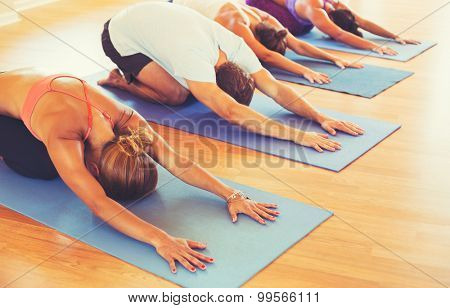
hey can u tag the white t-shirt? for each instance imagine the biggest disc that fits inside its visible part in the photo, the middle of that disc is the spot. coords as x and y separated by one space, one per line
208 8
185 43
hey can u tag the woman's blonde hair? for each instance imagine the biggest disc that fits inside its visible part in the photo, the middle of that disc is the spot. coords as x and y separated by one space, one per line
126 169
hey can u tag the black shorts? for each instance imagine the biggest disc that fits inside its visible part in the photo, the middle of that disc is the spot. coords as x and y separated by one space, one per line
22 152
129 65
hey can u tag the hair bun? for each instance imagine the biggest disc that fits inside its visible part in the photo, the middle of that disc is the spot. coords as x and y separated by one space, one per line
272 39
354 28
134 143
282 33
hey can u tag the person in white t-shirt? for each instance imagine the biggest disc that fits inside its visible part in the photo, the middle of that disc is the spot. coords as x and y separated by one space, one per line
167 51
266 36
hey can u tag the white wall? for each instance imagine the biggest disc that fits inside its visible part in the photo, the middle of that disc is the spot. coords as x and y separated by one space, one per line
6 14
8 10
28 4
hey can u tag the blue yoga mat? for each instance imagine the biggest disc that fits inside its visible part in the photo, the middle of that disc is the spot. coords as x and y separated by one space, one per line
405 52
241 250
366 82
196 118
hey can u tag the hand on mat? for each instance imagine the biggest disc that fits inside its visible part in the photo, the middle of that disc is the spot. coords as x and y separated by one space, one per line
402 41
318 142
174 249
341 63
255 210
331 125
384 50
313 77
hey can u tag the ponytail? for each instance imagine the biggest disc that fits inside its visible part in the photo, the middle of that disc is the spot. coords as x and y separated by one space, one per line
345 20
135 142
271 38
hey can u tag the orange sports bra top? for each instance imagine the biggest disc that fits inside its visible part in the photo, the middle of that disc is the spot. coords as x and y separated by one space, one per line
45 86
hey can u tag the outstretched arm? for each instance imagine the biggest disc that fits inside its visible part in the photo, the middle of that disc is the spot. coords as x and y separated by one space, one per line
376 29
191 173
275 59
320 19
303 48
67 156
289 99
306 49
226 107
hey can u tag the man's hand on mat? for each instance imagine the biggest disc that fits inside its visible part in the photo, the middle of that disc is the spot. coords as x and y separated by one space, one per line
317 141
402 41
341 63
255 210
313 77
331 125
384 50
174 249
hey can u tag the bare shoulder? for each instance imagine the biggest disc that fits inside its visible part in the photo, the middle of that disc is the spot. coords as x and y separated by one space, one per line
15 85
114 108
315 3
231 14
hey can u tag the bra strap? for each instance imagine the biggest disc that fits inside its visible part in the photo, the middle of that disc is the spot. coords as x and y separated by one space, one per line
86 100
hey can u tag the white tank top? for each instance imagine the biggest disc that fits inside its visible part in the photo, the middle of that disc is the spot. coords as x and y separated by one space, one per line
208 8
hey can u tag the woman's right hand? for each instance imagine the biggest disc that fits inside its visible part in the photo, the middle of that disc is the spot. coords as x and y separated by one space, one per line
174 249
384 50
341 63
318 142
403 41
313 77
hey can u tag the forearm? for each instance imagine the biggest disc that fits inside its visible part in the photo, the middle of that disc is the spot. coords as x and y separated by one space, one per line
303 48
227 108
279 61
126 222
355 41
291 101
255 122
376 29
191 173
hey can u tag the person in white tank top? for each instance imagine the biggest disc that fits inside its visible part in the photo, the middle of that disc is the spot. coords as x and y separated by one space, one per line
184 52
208 8
265 36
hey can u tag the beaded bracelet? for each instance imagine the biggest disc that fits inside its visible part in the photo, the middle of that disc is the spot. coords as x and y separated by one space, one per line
237 195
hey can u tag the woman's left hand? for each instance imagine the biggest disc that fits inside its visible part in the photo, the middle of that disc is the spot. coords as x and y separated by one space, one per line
313 77
331 125
341 63
402 41
255 210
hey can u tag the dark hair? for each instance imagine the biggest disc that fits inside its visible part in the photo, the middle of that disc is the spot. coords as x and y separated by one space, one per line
236 82
346 21
271 38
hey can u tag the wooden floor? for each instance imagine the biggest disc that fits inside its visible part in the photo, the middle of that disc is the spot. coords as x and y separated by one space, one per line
392 206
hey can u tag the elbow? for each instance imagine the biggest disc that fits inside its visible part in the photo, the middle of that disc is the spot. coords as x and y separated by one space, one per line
267 57
97 204
300 49
338 37
96 209
232 113
228 113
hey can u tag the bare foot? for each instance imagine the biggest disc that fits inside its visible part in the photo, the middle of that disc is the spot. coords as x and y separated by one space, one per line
114 79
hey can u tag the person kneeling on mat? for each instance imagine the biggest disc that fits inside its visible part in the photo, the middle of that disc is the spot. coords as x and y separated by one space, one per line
105 152
166 51
332 17
265 36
